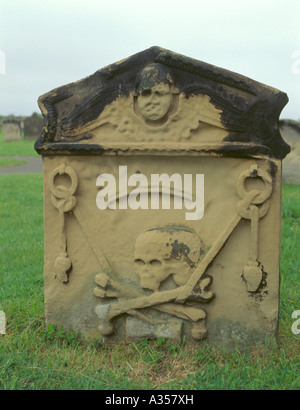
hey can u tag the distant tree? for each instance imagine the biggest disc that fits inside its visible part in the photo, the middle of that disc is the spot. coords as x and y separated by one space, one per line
33 126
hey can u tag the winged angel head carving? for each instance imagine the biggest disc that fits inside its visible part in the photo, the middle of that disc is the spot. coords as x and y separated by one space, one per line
153 110
160 96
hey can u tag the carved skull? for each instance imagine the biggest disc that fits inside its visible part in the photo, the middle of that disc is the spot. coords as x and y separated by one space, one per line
164 252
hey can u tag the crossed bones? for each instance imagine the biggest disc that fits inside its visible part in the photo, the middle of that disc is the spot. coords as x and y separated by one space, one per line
109 288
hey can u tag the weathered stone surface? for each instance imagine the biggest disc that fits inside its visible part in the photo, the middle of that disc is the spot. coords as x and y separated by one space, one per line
139 329
162 196
291 164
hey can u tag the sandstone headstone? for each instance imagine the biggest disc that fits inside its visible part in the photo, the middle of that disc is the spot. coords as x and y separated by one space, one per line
290 130
162 196
11 130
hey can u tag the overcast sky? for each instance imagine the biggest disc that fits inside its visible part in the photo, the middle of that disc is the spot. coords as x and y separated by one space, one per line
48 43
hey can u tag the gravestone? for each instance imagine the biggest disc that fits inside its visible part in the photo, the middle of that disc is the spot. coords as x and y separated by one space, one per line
11 130
162 202
290 130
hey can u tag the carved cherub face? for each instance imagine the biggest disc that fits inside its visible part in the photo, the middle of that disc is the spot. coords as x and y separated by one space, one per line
154 103
154 92
160 254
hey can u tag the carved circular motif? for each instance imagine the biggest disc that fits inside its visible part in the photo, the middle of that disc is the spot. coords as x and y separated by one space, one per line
255 196
61 191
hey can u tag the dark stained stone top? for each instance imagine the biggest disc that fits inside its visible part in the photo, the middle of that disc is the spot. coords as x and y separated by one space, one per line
249 110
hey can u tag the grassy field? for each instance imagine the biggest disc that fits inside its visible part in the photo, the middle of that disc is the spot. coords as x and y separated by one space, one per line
24 148
36 357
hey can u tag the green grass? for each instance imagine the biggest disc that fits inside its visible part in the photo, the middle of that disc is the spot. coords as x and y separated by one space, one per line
22 148
36 357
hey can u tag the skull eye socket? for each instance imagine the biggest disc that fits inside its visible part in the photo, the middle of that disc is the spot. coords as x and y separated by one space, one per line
139 262
155 262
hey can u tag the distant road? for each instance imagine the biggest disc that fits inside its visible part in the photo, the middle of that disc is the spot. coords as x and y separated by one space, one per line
34 165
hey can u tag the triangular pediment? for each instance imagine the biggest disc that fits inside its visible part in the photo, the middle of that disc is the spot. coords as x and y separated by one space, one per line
195 103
